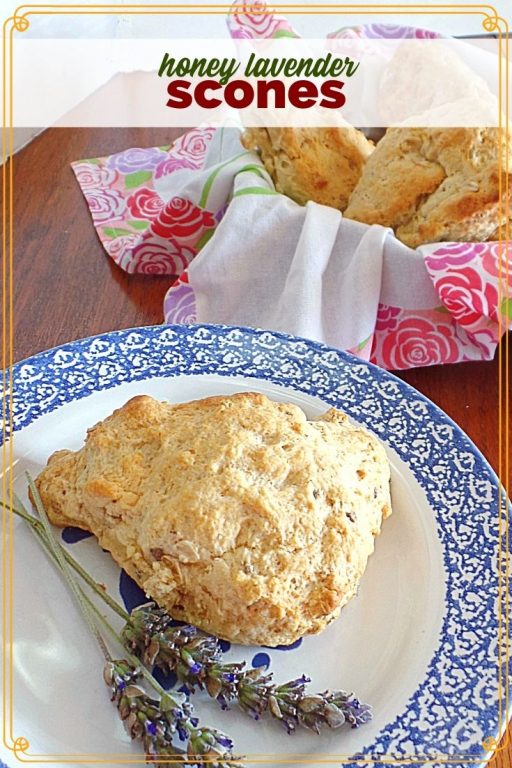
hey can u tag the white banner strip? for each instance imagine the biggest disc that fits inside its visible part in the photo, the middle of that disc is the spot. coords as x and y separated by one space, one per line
284 82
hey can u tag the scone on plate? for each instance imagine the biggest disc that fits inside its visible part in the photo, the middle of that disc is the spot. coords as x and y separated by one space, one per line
234 513
434 184
319 164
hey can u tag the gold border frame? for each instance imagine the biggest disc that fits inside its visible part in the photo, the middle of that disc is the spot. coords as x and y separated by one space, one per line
19 22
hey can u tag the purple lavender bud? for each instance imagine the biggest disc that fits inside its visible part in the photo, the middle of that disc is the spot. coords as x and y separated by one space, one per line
224 741
364 715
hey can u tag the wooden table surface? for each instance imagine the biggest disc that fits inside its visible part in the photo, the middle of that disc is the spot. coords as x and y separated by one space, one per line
65 286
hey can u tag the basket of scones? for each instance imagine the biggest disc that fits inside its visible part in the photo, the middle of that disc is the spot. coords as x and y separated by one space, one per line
428 185
388 243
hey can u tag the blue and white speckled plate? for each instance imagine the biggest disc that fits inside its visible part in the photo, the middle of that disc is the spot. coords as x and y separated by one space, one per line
419 642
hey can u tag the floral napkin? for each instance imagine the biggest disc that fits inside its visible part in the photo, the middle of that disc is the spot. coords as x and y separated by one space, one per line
138 230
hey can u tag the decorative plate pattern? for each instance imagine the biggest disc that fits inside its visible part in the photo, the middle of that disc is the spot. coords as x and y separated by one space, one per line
457 705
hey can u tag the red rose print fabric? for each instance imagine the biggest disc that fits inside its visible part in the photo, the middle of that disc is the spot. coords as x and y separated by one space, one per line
182 220
144 203
143 233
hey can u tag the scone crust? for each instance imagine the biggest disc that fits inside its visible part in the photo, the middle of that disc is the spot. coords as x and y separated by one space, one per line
235 513
433 184
319 164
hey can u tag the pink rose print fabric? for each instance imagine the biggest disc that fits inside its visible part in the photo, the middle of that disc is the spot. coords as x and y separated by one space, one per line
146 234
141 232
474 284
417 341
256 19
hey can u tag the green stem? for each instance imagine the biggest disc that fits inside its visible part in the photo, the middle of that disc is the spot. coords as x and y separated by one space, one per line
57 551
90 611
38 530
38 527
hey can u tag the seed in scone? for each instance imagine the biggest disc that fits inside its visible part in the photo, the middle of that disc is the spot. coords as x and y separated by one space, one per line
253 542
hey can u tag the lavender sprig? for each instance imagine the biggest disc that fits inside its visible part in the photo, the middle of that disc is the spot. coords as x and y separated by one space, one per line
154 722
195 657
330 708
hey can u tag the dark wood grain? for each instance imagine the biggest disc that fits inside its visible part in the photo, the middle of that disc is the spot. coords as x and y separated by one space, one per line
65 286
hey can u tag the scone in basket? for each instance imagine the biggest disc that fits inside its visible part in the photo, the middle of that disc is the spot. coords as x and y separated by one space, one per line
207 210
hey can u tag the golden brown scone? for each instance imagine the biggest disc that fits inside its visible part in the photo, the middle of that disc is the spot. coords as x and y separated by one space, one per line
500 232
234 513
433 184
319 164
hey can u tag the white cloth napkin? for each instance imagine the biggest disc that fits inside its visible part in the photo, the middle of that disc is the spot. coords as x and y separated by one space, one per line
303 270
311 284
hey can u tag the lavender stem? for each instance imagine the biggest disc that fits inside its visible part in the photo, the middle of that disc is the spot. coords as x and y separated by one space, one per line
38 527
57 552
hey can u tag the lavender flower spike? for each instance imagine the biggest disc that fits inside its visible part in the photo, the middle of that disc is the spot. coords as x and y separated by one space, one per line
153 722
195 658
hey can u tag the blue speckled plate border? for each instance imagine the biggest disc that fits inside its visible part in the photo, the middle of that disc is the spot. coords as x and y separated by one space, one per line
457 705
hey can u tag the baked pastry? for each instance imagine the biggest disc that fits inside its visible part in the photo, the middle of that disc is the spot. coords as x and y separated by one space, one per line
234 513
433 184
319 164
500 233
